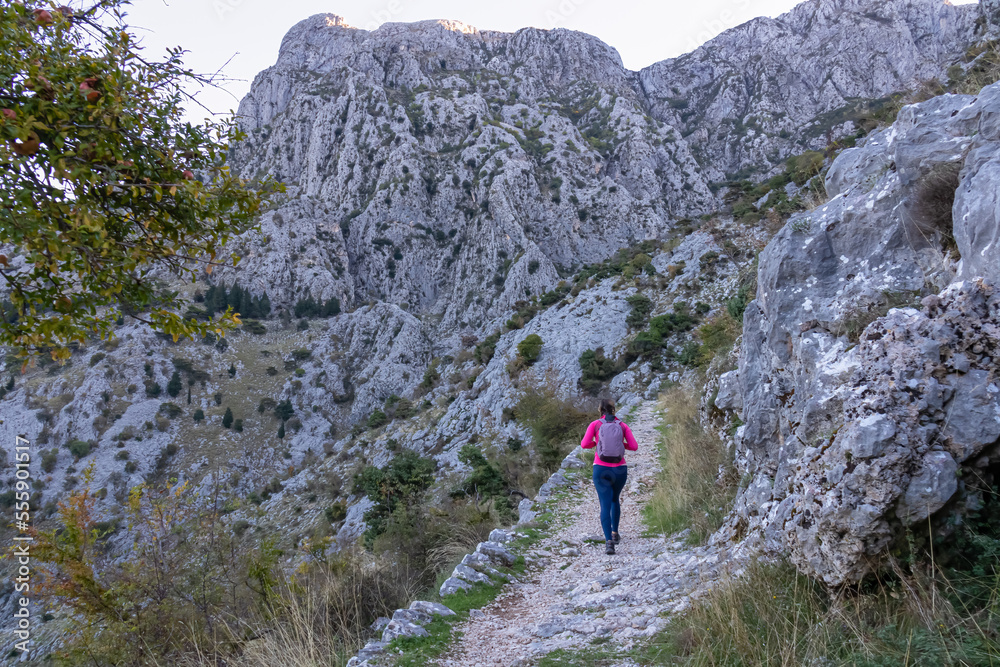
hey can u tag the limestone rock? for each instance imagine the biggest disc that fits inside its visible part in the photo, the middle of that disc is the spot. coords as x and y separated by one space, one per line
859 416
431 608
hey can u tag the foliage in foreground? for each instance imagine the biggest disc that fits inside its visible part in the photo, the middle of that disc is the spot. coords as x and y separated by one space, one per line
556 423
103 181
186 578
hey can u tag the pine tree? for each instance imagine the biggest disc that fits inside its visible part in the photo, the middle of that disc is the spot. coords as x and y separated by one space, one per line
307 307
331 307
264 306
281 431
210 298
227 419
175 385
221 298
235 297
232 370
246 305
284 410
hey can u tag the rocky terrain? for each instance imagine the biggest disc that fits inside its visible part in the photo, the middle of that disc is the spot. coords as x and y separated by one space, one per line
861 420
452 192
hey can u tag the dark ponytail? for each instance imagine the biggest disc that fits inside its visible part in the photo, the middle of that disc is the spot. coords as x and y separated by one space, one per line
607 407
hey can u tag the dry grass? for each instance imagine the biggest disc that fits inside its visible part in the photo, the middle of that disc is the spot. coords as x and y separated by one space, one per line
935 199
321 618
773 616
696 482
461 533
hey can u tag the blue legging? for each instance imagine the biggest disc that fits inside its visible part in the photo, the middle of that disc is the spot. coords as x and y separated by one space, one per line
609 483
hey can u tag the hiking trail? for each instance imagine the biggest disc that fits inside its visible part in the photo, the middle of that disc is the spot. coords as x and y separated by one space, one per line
573 593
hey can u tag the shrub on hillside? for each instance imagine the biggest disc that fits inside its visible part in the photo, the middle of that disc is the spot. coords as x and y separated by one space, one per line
396 486
556 423
596 370
529 348
641 308
173 600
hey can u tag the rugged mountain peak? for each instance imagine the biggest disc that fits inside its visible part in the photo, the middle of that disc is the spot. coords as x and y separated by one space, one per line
774 87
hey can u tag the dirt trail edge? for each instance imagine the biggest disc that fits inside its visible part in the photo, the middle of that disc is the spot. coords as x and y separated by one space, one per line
573 593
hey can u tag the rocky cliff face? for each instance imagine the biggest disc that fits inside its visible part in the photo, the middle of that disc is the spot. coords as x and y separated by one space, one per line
867 368
452 171
442 178
774 87
429 160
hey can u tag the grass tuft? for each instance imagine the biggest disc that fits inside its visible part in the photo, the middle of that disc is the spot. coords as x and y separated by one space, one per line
775 616
696 483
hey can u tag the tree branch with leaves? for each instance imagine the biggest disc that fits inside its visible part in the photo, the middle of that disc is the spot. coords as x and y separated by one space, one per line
103 186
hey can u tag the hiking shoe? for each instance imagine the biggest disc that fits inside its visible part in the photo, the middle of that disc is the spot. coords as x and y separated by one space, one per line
615 537
609 547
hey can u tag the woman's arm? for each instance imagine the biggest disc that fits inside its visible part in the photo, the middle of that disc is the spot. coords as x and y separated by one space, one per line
630 443
590 439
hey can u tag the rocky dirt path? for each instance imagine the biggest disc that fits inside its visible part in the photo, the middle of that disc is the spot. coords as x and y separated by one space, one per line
573 593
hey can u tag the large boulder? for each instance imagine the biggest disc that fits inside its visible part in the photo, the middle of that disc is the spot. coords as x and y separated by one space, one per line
862 411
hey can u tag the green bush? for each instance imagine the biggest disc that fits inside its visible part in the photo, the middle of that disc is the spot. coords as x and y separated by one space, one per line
227 419
199 415
737 305
377 419
556 423
238 425
175 384
530 348
431 377
336 512
486 479
398 485
49 458
171 410
596 370
254 327
78 448
97 358
641 308
284 410
484 351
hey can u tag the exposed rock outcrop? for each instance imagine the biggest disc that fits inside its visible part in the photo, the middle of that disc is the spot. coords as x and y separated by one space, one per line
771 87
861 420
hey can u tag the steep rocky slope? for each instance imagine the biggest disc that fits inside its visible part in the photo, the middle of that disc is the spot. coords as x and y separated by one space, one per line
443 181
867 370
773 87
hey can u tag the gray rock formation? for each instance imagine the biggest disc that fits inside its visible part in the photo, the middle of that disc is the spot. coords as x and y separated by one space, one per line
862 419
452 171
773 87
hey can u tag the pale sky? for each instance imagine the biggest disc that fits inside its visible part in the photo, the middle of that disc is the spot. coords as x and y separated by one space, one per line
247 33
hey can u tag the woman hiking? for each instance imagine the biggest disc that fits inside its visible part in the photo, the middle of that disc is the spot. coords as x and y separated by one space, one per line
612 437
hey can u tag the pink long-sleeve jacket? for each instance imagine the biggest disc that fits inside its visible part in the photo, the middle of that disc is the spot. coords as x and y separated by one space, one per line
590 441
